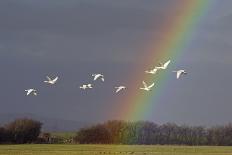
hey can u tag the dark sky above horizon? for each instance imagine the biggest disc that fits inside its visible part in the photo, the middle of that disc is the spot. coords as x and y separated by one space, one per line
75 38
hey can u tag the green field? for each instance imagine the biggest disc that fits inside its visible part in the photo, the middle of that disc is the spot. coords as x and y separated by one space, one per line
110 149
64 135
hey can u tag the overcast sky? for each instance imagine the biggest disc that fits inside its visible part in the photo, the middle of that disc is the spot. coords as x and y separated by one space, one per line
75 38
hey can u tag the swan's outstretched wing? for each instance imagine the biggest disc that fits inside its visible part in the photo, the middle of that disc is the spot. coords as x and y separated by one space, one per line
28 92
54 80
152 85
49 79
118 89
166 64
95 77
144 84
178 74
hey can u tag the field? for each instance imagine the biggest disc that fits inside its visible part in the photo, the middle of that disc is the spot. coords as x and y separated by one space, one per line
110 149
64 135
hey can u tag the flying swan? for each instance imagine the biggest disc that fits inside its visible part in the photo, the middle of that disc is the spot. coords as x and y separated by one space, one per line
97 76
146 87
179 73
118 89
31 91
86 86
163 66
51 81
153 71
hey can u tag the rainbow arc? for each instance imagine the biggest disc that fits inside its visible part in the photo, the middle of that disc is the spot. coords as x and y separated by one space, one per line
176 32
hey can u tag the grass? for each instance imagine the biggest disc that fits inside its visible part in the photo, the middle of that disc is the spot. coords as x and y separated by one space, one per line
51 149
63 134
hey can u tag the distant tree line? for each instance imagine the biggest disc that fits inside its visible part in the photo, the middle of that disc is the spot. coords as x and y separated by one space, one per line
120 132
20 131
148 133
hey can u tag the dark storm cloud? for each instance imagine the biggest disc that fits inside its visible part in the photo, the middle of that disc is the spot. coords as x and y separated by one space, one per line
75 38
47 28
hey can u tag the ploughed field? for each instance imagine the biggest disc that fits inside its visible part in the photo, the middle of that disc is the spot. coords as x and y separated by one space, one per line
53 149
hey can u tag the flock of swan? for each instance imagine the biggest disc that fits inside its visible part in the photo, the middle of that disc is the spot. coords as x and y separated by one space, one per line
161 66
96 77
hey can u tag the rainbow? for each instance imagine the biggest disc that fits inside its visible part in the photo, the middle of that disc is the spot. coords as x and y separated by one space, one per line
176 33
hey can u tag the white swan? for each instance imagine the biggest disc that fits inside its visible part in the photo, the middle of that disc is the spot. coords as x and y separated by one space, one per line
118 89
153 71
31 91
86 86
179 73
163 66
147 88
97 76
51 81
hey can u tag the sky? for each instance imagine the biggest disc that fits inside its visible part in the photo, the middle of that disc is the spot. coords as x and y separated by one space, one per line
75 38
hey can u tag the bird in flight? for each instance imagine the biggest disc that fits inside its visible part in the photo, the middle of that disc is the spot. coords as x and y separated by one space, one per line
51 81
153 71
31 91
146 87
179 73
86 86
97 76
163 66
118 89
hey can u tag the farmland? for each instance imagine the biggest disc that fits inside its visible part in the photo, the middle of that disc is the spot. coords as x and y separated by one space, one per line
50 149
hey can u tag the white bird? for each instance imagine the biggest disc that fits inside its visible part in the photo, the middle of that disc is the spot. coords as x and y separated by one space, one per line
97 76
51 81
163 66
86 86
118 89
179 73
153 71
147 88
31 91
